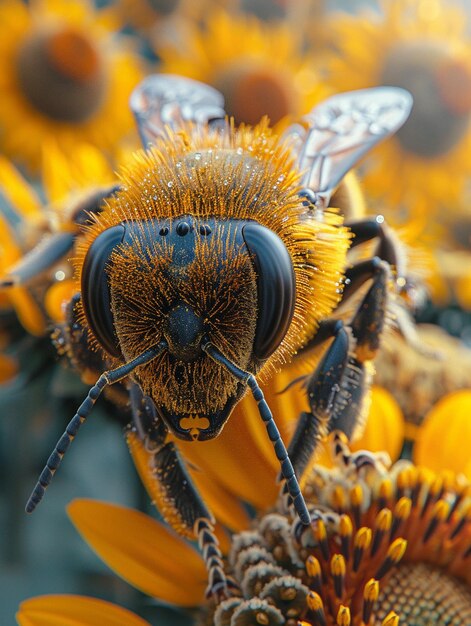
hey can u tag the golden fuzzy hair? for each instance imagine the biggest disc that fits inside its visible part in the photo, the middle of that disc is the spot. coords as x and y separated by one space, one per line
244 174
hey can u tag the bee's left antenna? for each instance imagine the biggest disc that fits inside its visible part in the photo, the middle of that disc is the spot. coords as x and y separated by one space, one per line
84 410
163 101
287 469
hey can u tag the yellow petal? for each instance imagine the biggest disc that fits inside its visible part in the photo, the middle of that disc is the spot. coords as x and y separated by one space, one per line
236 461
463 288
8 368
445 434
384 429
19 191
92 166
221 503
57 296
71 610
58 178
226 507
28 311
141 550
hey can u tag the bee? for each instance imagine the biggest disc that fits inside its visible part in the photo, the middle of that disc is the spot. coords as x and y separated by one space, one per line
218 259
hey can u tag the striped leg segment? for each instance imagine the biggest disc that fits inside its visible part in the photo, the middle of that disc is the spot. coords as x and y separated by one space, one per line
219 585
175 494
272 430
84 410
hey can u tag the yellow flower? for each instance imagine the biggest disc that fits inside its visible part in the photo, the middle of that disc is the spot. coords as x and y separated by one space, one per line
65 182
141 550
452 280
15 241
64 77
443 441
259 68
386 544
419 45
432 390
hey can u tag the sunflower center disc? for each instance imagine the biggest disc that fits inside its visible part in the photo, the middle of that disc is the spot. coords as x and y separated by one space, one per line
61 73
252 91
441 88
424 595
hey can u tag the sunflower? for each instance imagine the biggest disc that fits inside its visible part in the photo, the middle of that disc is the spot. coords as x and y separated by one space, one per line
259 68
29 218
432 390
419 45
66 75
386 544
147 554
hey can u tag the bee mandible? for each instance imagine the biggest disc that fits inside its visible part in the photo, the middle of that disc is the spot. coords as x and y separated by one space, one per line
216 260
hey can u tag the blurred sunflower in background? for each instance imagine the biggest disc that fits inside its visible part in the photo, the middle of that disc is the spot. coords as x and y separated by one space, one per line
259 68
420 45
420 177
65 73
31 213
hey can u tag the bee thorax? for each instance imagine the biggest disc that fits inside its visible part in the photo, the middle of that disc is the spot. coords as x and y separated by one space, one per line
183 331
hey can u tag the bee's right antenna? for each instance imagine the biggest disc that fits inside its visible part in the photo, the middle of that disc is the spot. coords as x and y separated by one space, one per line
84 410
287 469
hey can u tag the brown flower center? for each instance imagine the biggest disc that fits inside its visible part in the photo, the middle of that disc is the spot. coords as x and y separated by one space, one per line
441 88
252 91
424 595
61 73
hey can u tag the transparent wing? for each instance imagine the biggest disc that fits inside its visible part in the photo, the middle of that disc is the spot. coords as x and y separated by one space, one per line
164 100
338 132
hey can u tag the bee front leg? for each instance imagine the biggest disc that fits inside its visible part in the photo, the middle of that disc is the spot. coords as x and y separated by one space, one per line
389 247
339 387
176 496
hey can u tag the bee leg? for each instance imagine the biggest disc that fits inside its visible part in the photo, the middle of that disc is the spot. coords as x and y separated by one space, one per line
322 387
42 257
392 250
389 246
176 496
368 322
338 388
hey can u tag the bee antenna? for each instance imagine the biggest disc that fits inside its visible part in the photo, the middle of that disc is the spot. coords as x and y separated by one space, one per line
287 469
107 378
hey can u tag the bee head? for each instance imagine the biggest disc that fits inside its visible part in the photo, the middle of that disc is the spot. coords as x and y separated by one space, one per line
186 280
208 241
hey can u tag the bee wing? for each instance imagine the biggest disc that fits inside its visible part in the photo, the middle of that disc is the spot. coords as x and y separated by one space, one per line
166 101
338 132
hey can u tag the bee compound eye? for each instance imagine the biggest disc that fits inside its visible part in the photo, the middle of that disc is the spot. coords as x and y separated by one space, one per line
276 287
95 288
